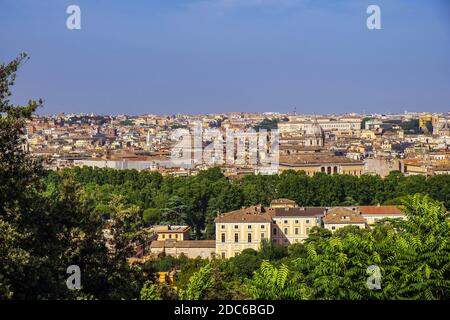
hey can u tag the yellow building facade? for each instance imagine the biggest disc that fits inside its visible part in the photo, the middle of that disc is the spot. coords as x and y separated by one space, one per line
178 233
285 223
290 230
234 237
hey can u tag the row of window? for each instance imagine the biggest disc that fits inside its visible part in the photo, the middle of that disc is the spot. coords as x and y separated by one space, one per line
329 169
236 237
352 172
249 236
286 231
175 236
295 222
236 226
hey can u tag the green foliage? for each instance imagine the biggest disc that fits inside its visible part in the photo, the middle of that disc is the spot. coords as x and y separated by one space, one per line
267 124
411 126
175 212
187 268
127 123
198 284
49 222
413 256
318 233
150 291
19 189
272 251
151 216
271 283
245 264
162 264
197 200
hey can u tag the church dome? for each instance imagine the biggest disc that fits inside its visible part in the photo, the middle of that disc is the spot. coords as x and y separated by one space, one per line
314 130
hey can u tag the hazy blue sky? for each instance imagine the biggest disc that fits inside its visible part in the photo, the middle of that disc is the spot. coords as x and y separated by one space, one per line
204 56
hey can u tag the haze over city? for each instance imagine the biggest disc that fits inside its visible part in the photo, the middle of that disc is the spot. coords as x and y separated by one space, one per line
212 56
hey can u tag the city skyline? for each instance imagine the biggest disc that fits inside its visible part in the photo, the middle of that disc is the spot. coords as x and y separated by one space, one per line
217 56
268 114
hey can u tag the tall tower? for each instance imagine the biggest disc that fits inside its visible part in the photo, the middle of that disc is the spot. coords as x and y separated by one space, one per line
148 140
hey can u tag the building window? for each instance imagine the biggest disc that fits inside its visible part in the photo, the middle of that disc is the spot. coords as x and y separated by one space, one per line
236 237
249 238
307 230
223 237
262 227
285 231
236 226
307 221
285 222
296 230
250 226
163 236
223 255
262 236
333 228
274 231
296 221
223 227
170 236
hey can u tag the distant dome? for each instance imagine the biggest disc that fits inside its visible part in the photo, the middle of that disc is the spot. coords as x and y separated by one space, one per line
314 130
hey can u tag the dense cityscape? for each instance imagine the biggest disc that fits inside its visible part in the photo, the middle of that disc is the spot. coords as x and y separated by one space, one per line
413 143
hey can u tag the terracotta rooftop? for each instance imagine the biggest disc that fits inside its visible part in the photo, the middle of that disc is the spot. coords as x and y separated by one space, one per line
250 214
170 229
394 210
341 215
308 159
262 214
299 212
